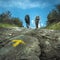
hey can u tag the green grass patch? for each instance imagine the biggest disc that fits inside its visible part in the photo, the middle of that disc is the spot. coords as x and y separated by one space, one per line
54 26
4 25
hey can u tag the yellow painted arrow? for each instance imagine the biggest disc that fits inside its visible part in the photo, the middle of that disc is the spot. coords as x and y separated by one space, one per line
17 42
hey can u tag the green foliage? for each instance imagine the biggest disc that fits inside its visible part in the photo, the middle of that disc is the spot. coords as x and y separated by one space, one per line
54 26
17 22
53 19
58 8
6 18
54 15
6 25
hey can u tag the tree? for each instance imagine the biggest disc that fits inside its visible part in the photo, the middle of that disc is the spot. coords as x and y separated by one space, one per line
54 15
58 11
6 18
17 22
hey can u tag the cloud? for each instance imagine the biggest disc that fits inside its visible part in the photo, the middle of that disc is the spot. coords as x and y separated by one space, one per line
39 25
33 21
23 4
42 24
27 4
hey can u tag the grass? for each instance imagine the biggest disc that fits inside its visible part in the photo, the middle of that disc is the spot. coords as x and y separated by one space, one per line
54 26
5 25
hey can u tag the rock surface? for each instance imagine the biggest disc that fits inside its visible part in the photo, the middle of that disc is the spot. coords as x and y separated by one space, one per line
41 44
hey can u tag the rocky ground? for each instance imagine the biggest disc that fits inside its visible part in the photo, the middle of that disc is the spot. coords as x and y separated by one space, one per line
41 44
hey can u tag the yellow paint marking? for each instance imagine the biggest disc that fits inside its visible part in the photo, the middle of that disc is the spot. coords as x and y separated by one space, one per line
17 42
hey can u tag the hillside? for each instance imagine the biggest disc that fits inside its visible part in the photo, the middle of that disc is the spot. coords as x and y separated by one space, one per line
40 44
4 25
55 26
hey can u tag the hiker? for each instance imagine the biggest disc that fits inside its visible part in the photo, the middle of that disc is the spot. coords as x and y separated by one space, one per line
27 20
37 21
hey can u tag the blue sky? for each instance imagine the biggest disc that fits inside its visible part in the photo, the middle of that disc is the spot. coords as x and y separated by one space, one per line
19 8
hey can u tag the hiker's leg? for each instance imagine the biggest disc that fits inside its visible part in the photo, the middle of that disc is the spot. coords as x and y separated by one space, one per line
27 25
36 24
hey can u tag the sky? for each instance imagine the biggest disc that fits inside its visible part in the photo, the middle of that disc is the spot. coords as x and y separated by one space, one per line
20 8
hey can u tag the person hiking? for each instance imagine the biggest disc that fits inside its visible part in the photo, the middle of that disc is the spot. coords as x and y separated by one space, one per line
27 20
37 21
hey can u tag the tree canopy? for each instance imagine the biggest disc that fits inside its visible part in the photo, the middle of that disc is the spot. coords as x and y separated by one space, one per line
6 18
54 15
